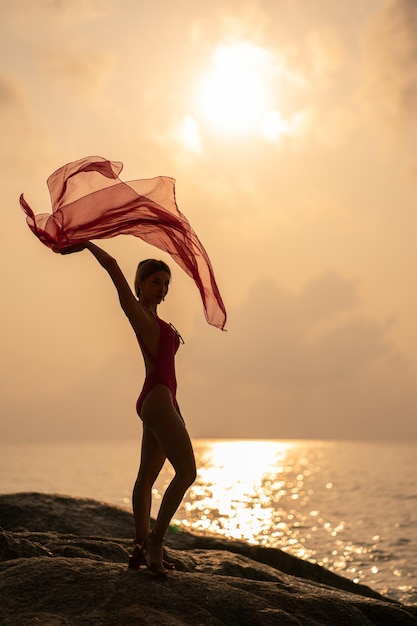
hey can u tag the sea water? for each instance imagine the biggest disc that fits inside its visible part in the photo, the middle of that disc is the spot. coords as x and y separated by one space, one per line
348 506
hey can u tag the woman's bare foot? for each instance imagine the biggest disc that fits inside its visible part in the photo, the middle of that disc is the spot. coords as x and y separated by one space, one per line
154 555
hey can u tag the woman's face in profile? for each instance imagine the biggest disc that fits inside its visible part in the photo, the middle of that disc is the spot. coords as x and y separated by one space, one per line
154 288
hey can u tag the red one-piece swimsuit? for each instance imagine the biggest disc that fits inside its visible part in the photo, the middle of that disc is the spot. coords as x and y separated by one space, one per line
163 364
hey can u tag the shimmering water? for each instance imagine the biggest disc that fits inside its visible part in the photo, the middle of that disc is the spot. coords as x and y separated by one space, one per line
351 507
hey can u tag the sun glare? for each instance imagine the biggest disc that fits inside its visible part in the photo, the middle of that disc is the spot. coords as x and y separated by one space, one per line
189 134
273 125
236 96
233 96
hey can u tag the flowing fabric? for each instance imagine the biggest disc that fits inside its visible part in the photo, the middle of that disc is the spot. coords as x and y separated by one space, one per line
89 201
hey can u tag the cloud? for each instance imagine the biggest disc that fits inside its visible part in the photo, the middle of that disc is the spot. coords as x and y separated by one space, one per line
25 12
391 53
10 94
18 128
85 71
301 355
327 54
302 339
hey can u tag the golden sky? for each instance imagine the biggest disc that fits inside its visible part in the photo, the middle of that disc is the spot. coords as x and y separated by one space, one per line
291 129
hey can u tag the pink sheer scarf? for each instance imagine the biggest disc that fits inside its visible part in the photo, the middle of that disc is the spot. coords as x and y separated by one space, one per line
89 201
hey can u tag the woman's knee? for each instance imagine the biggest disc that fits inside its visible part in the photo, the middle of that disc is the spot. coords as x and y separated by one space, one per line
147 477
187 474
192 475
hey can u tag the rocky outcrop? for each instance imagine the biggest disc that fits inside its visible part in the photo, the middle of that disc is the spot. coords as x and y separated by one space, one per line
63 561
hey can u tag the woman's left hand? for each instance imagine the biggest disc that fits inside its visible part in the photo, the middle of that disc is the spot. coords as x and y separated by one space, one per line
75 248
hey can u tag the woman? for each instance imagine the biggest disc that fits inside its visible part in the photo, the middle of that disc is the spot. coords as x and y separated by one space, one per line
164 433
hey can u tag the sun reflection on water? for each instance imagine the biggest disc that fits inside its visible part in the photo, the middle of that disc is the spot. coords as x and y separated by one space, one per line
236 487
255 491
287 495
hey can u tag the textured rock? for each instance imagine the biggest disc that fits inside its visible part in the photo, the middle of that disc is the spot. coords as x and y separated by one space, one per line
63 562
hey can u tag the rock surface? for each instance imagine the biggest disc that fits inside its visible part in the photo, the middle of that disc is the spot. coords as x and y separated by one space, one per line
63 561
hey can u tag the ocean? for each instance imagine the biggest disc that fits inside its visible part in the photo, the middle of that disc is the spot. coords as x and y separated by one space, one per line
348 506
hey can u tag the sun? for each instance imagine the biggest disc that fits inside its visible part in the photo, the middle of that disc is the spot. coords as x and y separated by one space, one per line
233 96
237 95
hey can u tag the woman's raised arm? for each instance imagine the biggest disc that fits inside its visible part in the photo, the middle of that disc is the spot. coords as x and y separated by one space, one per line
127 299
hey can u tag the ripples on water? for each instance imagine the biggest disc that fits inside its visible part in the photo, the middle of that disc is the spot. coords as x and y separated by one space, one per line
350 507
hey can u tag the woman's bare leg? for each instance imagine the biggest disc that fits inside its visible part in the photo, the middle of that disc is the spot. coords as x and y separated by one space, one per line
168 429
151 462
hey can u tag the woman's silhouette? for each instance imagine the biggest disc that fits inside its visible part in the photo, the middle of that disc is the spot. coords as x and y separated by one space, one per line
164 433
